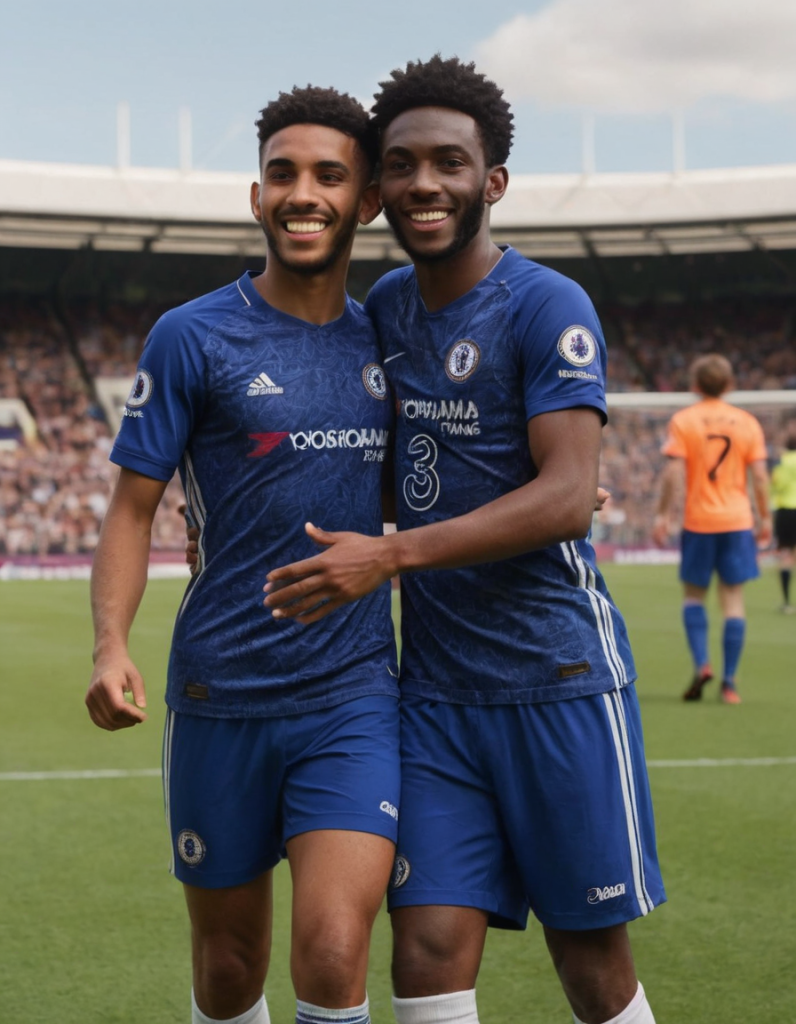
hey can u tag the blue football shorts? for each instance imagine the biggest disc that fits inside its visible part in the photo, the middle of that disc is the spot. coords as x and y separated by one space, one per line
541 807
236 790
733 555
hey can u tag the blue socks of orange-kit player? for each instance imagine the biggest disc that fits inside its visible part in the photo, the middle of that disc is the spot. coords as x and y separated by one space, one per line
695 620
732 644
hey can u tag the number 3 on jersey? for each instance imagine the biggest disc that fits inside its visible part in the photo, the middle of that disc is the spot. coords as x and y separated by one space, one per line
421 488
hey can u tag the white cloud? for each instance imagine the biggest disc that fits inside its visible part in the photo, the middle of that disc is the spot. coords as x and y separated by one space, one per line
646 55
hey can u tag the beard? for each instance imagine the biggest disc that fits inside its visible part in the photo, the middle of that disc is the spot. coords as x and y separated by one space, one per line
324 262
472 217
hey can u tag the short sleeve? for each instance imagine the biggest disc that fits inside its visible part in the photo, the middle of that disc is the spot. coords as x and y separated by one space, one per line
562 348
675 445
165 399
758 442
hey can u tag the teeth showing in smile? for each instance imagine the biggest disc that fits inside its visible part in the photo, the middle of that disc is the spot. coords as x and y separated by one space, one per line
428 216
304 227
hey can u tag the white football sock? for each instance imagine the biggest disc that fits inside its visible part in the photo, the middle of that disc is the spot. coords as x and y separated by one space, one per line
258 1014
449 1008
637 1011
307 1013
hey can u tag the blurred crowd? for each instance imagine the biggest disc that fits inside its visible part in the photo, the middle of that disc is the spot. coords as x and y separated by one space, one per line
654 345
55 485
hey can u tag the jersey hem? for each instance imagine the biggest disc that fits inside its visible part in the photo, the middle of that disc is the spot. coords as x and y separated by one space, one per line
244 708
424 689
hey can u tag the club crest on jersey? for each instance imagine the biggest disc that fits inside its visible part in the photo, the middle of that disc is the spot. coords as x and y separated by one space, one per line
191 847
141 391
577 346
374 380
462 360
401 870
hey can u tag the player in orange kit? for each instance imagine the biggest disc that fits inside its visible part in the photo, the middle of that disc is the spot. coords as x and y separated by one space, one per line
711 446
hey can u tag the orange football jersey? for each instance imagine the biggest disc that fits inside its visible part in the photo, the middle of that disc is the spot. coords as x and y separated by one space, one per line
718 442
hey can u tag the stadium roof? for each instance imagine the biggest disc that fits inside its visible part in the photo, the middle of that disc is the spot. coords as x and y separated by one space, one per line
162 210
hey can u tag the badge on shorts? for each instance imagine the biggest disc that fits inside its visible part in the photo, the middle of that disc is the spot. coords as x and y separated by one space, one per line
191 847
577 346
401 870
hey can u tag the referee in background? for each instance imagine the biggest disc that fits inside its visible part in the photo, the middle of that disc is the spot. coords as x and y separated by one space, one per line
783 501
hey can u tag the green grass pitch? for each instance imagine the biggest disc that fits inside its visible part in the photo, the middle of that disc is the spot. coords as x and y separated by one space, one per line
93 930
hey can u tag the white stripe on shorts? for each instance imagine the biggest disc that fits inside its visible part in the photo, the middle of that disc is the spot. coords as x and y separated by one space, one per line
168 732
618 724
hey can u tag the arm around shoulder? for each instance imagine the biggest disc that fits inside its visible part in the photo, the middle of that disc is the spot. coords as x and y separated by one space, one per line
555 506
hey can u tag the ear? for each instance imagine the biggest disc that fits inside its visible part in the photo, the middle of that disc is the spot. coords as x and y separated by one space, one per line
497 181
370 206
254 200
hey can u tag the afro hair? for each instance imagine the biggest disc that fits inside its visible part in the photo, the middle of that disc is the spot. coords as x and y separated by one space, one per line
328 107
454 84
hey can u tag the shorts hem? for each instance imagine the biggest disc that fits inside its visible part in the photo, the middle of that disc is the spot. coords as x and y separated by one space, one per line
221 879
388 829
453 898
585 923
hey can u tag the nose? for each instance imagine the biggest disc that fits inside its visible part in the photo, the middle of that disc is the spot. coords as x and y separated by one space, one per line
304 193
425 181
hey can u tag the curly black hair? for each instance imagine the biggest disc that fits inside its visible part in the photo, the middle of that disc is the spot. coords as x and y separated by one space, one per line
449 83
313 105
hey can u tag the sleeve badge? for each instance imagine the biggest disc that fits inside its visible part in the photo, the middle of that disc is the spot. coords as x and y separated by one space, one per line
141 391
577 346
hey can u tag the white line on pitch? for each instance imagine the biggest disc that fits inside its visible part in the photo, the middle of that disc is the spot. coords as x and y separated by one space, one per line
148 773
728 762
98 773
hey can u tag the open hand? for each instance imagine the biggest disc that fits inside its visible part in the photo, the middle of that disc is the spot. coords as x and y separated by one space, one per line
351 566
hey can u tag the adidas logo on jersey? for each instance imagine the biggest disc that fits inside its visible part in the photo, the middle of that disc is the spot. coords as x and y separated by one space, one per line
263 385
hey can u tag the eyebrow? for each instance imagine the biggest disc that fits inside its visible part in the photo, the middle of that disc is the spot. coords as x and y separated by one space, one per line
336 165
438 150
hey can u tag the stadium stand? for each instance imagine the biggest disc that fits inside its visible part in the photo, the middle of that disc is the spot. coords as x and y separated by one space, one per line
82 283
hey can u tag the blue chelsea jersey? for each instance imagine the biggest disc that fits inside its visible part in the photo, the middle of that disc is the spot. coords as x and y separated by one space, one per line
523 342
272 422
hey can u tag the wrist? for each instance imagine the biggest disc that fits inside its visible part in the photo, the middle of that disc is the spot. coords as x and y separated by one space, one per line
109 648
392 554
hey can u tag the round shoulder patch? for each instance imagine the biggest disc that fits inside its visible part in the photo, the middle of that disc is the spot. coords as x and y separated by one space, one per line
401 871
141 391
374 380
462 360
191 847
577 346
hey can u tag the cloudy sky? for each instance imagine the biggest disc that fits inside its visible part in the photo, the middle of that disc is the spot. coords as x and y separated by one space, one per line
628 70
